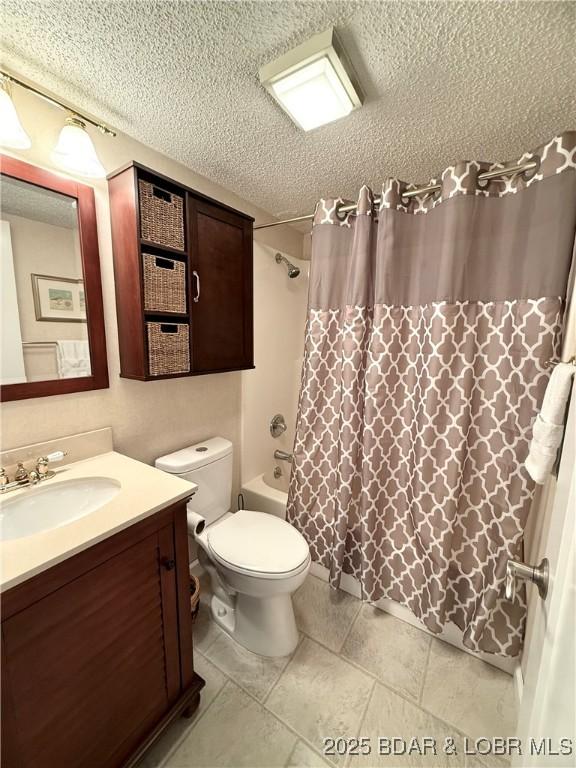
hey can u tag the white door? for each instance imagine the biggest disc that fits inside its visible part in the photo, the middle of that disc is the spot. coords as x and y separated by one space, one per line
12 358
547 711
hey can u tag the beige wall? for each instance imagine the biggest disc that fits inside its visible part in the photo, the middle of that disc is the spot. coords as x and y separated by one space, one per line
147 418
42 249
280 316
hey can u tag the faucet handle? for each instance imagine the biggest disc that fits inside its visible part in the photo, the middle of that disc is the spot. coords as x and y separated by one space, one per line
3 477
43 461
42 466
56 456
21 473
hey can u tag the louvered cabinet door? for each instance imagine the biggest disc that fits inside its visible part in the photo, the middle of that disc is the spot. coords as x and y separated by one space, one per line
94 665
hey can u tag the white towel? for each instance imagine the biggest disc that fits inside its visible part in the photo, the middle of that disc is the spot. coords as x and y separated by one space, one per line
73 358
548 427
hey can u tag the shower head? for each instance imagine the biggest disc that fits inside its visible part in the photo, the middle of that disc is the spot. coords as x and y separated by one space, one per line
292 270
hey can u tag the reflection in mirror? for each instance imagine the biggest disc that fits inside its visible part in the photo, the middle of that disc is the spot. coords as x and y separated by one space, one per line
44 330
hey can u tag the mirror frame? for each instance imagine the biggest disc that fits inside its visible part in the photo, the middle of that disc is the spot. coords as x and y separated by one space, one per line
88 235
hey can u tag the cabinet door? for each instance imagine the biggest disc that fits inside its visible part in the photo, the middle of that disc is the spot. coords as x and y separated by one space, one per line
91 667
221 289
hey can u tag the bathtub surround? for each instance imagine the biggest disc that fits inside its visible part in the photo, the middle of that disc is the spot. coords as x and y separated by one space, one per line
147 419
427 345
272 387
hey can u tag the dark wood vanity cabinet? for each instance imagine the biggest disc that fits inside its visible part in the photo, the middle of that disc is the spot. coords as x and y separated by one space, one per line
97 651
183 272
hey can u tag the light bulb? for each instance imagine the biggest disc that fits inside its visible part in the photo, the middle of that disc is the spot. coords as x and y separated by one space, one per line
11 132
75 151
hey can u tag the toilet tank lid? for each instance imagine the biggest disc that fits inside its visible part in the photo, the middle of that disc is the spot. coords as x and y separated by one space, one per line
195 456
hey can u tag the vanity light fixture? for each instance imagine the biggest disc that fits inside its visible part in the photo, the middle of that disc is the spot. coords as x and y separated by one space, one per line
314 82
74 150
12 134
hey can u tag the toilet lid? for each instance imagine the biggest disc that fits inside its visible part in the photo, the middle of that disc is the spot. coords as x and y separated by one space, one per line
259 542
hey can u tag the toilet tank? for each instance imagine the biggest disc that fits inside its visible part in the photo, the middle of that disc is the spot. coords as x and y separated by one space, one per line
209 465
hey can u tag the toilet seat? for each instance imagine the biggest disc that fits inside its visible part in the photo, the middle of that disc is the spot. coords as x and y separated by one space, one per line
259 545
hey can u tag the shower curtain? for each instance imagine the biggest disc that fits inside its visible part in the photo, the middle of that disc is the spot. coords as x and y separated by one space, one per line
428 342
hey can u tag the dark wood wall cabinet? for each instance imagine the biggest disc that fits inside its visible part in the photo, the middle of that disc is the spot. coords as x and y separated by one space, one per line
97 651
183 272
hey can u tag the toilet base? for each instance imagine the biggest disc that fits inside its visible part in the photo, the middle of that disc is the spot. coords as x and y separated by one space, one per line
263 625
223 613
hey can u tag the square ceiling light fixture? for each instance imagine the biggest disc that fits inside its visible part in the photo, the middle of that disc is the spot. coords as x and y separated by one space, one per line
314 83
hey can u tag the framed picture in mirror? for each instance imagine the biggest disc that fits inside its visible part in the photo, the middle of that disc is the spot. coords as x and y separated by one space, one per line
59 299
52 319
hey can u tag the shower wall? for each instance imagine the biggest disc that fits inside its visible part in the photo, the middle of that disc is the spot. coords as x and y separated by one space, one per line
273 386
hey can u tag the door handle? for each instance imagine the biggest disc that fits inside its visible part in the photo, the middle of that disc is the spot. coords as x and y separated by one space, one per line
168 563
537 574
197 278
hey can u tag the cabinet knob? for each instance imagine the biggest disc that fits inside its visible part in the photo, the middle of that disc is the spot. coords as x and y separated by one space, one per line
168 563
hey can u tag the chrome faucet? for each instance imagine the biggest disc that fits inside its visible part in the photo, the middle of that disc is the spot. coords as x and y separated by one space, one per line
283 456
24 478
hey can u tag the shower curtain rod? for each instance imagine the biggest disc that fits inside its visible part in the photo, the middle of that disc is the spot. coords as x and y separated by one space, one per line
507 171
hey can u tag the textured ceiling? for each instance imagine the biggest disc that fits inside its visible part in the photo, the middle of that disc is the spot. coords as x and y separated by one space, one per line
443 81
37 204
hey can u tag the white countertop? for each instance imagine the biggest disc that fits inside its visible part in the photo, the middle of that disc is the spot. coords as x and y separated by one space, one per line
144 491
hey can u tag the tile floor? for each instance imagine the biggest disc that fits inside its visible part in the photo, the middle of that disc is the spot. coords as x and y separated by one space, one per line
356 672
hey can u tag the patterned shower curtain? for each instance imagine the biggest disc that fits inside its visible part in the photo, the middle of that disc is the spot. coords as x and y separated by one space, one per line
428 340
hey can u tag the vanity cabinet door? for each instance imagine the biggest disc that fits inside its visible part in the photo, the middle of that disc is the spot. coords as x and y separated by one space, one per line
220 289
93 666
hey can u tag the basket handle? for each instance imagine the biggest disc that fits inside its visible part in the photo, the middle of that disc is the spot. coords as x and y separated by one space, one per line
166 328
164 263
162 194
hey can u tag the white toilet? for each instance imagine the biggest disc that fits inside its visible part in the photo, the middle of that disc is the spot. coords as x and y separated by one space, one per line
255 560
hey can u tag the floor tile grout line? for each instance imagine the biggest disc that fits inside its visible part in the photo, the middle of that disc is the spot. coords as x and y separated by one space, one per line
194 649
287 763
307 743
319 642
349 630
281 675
242 685
374 677
180 741
352 663
284 668
425 671
301 736
363 717
404 696
274 715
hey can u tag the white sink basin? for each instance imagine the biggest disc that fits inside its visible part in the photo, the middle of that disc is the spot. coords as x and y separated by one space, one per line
51 506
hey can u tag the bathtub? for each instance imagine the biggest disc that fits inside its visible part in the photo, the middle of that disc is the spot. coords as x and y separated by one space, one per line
266 494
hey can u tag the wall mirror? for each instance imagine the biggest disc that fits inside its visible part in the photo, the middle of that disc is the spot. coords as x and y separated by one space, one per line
51 317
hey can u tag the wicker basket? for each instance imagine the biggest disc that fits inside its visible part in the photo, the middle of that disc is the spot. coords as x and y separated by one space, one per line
161 216
164 284
168 348
194 596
